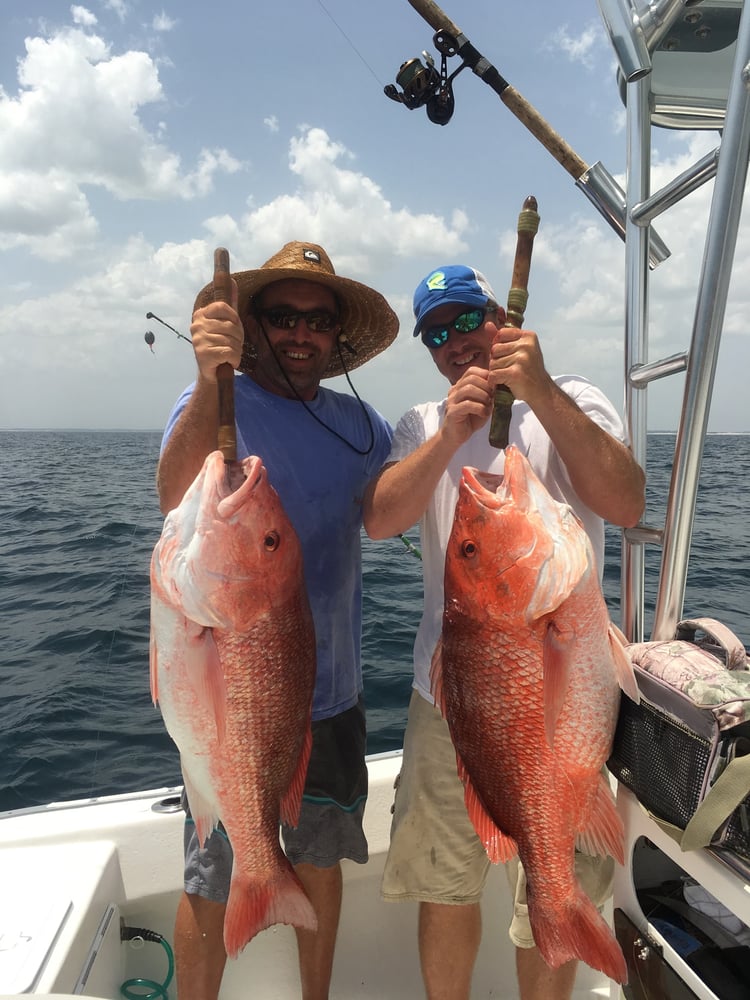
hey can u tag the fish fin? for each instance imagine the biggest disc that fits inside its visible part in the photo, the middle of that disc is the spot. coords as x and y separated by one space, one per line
205 673
557 659
204 815
254 905
291 802
623 665
498 845
436 677
576 929
603 832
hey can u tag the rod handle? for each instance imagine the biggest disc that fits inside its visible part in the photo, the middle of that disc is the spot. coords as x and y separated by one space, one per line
227 434
518 296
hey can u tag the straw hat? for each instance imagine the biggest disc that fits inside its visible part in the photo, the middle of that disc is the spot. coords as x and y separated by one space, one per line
368 323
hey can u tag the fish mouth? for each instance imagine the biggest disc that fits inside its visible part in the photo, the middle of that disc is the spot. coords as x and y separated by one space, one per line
235 491
513 486
483 486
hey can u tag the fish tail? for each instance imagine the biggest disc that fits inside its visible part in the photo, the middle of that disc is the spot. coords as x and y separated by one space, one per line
578 930
255 904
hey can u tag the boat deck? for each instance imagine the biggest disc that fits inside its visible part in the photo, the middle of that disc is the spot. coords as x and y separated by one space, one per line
72 868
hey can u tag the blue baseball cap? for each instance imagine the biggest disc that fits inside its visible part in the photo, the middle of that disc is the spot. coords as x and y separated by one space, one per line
455 283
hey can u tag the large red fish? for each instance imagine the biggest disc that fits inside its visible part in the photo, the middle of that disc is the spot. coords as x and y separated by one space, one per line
528 675
233 669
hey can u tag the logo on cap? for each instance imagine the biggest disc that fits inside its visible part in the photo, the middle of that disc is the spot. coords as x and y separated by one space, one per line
436 281
311 255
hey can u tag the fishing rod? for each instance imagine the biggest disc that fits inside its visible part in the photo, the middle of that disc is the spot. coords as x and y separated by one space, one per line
423 85
150 338
227 434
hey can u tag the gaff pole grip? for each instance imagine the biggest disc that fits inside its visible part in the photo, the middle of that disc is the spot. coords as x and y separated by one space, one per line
227 436
518 296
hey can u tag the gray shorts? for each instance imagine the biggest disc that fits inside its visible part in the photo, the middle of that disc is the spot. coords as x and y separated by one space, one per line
435 855
330 821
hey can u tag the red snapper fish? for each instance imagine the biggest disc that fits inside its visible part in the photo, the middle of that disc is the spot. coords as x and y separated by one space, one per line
528 675
233 669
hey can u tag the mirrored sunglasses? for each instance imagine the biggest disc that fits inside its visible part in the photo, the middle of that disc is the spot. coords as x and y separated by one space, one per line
317 320
466 322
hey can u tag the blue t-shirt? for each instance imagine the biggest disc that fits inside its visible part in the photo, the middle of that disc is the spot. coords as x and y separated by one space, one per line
320 481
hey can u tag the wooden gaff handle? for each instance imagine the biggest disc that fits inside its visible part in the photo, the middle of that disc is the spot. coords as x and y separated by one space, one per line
518 296
227 436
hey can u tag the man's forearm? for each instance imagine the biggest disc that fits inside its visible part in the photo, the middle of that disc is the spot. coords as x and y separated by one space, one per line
602 469
193 438
397 498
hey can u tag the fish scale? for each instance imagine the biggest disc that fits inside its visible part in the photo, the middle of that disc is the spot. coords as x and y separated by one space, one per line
528 675
233 670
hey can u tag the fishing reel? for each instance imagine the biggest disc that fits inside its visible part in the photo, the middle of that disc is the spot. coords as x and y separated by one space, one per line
425 86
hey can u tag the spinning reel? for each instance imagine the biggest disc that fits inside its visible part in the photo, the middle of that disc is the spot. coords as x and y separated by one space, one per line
424 85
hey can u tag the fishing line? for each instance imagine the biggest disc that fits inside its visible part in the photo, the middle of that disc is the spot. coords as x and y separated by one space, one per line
351 43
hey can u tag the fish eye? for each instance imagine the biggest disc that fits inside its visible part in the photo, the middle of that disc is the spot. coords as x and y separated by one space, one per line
271 541
469 548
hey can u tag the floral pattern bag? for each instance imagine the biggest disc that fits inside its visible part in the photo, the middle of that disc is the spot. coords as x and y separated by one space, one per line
685 750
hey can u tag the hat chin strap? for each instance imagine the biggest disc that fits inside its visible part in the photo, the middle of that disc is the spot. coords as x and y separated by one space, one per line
343 339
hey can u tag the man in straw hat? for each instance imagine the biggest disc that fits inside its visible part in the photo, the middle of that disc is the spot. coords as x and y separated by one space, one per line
291 323
575 442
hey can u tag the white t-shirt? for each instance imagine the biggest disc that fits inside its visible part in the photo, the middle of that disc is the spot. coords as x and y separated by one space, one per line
422 422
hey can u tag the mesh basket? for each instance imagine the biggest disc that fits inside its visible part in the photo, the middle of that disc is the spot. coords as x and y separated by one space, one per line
660 761
664 764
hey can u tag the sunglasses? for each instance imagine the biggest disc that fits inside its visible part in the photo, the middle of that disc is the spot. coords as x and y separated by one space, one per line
466 322
317 320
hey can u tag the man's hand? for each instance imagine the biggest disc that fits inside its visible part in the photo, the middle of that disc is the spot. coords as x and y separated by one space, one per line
516 361
217 335
468 406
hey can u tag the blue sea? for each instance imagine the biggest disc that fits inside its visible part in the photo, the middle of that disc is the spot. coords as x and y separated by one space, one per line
79 520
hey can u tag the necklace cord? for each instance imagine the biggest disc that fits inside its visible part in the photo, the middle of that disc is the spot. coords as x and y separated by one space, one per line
349 444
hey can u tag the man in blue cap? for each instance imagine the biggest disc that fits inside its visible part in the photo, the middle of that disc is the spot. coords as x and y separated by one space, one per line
575 442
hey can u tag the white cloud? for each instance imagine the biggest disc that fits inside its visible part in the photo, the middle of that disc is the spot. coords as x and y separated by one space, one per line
345 206
95 346
580 48
44 212
99 160
162 22
71 84
342 209
83 16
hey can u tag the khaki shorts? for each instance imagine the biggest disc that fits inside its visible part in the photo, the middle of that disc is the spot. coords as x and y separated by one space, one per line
435 855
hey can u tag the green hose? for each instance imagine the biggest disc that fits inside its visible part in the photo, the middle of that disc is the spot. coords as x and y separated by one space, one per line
147 989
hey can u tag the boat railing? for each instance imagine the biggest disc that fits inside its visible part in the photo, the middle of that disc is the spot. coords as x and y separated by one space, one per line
682 65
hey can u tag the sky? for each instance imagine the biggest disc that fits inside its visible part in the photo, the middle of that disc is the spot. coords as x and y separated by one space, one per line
135 137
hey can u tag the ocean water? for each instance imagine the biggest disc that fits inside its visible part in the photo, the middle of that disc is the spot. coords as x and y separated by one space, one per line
79 520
